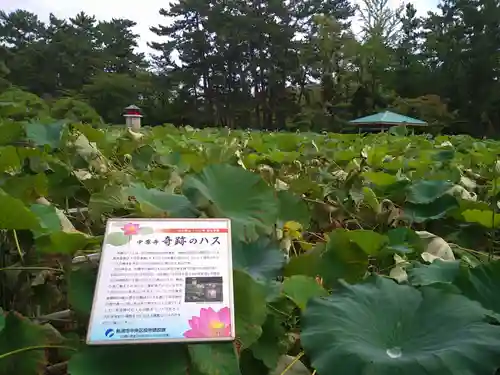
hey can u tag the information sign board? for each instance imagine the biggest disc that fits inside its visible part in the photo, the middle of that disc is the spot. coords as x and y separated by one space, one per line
164 280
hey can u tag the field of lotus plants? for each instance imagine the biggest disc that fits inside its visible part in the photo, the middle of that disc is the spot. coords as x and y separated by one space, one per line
352 254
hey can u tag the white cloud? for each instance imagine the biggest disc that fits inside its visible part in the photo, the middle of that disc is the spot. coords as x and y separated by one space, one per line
422 7
144 12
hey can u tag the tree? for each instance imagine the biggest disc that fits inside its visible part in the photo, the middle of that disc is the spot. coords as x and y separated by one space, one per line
461 49
109 93
380 21
224 70
410 77
73 57
267 64
118 43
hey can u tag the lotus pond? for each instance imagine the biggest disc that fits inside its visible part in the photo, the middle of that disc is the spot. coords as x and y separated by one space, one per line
352 255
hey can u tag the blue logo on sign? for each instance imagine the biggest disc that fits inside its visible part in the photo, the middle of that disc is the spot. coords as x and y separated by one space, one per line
109 332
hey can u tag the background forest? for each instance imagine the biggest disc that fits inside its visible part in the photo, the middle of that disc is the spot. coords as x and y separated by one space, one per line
264 64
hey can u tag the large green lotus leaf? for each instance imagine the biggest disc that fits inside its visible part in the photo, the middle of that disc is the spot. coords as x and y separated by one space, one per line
142 157
93 135
47 217
300 289
342 259
63 184
28 187
439 271
9 160
262 259
306 264
368 241
19 333
293 208
427 191
273 342
438 209
130 360
394 165
250 308
214 359
451 174
15 215
400 130
380 178
304 184
486 218
192 160
61 243
273 290
157 176
395 192
444 155
370 198
375 155
81 284
286 142
250 365
240 195
345 155
466 204
45 134
10 131
39 161
107 200
382 328
282 157
404 240
154 202
482 284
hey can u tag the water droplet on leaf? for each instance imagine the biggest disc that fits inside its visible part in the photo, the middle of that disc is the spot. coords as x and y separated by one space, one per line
394 352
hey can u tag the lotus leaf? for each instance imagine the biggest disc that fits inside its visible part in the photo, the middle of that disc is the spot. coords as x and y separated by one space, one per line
481 284
439 271
262 259
427 191
380 327
232 192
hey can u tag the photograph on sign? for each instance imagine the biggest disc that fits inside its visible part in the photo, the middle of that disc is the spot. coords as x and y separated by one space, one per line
164 280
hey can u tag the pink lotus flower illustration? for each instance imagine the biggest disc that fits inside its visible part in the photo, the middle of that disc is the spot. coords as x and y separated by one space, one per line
130 229
210 323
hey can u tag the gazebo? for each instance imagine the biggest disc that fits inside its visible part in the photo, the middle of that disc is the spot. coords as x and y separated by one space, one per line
384 120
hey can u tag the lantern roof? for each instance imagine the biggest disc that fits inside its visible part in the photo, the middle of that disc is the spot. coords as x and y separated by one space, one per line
132 111
130 107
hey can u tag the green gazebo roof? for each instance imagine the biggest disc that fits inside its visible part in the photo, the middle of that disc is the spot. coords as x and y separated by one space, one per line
388 118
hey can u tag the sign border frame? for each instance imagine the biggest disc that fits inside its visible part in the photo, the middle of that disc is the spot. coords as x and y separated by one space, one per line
185 340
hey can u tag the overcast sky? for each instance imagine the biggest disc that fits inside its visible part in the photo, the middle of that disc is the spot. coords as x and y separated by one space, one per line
144 12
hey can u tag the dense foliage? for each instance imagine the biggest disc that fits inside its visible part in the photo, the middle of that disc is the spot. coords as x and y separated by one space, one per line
269 64
351 254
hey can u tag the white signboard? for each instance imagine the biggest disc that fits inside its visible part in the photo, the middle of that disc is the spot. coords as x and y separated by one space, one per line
164 280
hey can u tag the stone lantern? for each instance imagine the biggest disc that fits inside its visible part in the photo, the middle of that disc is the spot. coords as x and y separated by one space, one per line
133 117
